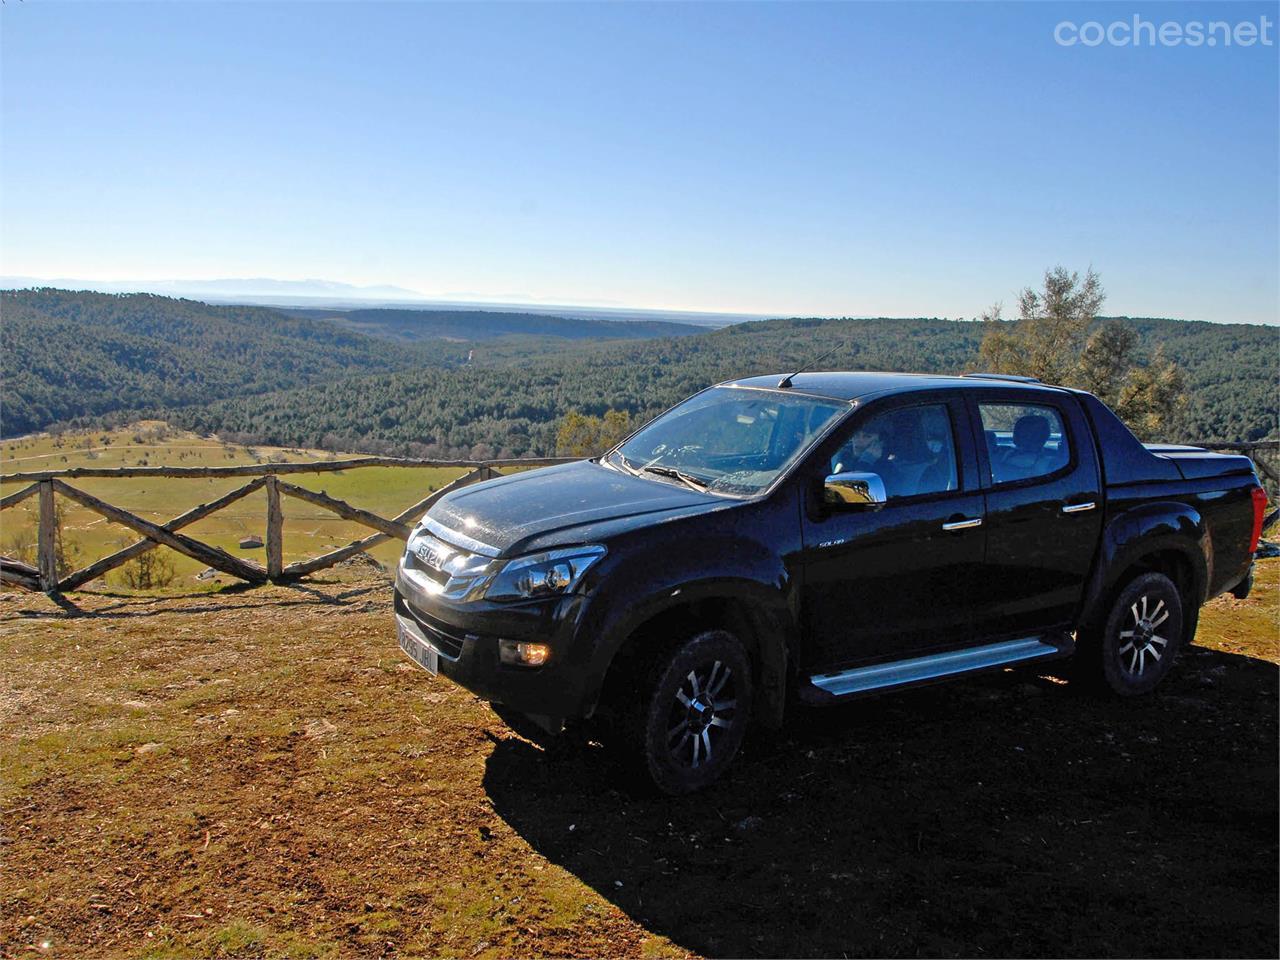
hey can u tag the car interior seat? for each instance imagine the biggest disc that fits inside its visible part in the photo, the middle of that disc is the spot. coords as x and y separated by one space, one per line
909 455
1027 456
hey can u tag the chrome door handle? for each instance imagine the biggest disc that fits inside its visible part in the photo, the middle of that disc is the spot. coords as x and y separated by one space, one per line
963 524
1078 507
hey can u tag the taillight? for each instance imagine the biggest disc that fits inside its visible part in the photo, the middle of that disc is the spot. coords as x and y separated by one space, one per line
1259 511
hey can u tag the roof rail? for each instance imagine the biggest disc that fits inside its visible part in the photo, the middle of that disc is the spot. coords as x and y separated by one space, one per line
1014 378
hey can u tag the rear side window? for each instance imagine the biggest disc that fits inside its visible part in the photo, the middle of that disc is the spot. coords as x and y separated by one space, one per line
1024 441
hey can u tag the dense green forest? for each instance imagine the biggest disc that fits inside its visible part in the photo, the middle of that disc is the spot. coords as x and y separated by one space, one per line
261 375
71 356
1232 372
414 325
65 355
483 411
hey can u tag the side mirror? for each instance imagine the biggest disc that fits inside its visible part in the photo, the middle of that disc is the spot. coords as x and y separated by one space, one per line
853 490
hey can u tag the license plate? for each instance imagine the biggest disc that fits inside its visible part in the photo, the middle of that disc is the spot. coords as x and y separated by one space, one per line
421 654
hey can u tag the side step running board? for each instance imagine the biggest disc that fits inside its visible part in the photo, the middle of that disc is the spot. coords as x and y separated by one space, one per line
899 673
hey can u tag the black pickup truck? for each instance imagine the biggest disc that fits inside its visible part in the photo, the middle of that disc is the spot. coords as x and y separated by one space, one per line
818 537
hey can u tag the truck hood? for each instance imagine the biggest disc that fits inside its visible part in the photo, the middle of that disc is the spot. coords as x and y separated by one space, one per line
547 504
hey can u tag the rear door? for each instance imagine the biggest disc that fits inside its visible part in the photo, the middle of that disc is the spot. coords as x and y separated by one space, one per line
888 582
1043 510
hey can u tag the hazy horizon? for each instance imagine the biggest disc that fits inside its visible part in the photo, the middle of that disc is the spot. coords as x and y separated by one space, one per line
340 296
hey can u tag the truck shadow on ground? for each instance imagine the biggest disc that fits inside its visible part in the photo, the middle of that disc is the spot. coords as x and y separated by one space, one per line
1009 815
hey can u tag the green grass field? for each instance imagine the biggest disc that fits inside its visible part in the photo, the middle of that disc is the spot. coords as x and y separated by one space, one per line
308 530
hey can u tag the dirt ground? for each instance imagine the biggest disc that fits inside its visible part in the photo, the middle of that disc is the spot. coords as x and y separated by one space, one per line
260 773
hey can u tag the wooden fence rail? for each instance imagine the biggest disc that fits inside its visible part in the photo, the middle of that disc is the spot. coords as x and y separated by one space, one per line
47 484
274 469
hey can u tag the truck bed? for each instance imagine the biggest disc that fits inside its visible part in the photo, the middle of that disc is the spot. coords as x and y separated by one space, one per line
1196 463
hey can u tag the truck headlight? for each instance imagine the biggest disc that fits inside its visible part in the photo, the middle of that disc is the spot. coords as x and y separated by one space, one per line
549 574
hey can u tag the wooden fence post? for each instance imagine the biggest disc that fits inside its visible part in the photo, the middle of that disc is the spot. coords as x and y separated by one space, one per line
275 531
47 540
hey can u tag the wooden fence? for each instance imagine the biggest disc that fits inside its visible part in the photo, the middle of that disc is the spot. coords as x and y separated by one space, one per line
49 483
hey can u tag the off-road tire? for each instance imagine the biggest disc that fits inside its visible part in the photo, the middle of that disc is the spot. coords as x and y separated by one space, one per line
1137 644
705 684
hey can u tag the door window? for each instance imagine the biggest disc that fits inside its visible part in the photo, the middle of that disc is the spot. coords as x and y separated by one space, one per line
912 449
1024 441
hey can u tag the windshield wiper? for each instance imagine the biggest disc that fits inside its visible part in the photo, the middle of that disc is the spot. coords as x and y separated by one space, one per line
625 465
672 472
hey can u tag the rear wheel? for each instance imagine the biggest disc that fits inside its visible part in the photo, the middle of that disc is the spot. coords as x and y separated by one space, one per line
694 711
1141 637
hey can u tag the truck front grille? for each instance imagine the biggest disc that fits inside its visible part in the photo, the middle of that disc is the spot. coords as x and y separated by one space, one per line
435 574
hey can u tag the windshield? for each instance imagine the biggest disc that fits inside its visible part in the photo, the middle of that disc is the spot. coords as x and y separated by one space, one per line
727 440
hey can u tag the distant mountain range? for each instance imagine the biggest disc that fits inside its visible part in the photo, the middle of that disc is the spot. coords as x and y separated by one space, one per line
332 295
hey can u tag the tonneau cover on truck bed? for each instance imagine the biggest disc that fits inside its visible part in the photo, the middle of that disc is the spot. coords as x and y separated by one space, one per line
1126 460
1195 463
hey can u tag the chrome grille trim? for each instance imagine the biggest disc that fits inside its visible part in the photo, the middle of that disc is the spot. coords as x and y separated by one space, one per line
459 539
434 546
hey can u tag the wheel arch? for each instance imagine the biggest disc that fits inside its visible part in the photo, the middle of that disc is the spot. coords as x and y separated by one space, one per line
1167 538
759 622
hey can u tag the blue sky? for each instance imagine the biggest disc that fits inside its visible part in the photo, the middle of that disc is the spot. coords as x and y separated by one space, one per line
906 159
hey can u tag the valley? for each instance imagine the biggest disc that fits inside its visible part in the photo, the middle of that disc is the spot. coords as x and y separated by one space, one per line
479 384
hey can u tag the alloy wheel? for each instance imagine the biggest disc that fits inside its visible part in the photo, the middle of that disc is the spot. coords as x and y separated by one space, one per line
1143 645
702 712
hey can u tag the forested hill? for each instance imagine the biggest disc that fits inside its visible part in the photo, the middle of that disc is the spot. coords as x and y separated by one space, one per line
260 374
1232 370
479 411
412 325
70 354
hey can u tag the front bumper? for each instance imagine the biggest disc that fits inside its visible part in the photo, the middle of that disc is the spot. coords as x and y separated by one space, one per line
466 637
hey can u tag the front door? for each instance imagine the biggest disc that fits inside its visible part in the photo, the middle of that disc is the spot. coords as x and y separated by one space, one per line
889 582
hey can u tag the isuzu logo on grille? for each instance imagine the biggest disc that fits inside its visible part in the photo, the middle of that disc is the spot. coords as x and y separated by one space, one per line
432 557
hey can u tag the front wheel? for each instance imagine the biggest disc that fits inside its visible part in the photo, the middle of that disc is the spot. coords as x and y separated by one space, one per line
1141 637
694 712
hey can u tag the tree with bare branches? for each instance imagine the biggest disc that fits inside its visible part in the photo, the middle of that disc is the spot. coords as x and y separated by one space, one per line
1057 338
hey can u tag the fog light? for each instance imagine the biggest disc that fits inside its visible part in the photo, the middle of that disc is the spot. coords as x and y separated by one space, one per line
523 654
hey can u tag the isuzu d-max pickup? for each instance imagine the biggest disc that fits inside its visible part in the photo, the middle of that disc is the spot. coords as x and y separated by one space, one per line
817 537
